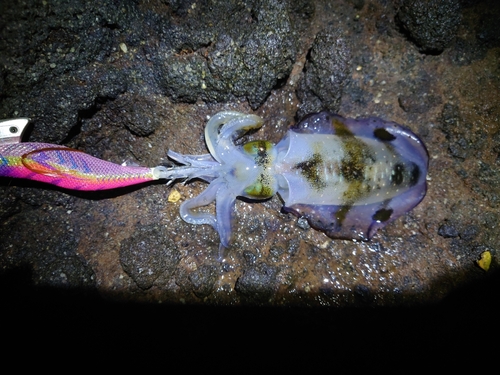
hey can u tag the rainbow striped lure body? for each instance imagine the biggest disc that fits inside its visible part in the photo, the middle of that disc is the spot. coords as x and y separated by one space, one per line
62 166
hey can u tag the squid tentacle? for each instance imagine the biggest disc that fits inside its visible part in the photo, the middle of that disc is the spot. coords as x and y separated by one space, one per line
234 125
187 208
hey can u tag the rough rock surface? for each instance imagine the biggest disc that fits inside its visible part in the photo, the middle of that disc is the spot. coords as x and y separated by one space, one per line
325 72
431 24
129 80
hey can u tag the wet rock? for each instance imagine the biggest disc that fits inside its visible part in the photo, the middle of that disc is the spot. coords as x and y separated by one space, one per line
488 32
148 254
362 295
431 24
9 204
203 280
46 69
465 52
68 272
137 113
482 32
417 94
415 103
73 62
38 195
59 264
465 139
302 10
180 7
276 252
258 282
250 257
496 145
487 179
358 4
448 231
325 73
469 232
467 252
472 142
242 55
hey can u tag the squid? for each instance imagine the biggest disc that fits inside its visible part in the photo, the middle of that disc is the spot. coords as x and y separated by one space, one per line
346 177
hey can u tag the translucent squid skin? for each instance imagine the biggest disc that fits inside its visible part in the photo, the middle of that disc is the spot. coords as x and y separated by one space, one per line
347 177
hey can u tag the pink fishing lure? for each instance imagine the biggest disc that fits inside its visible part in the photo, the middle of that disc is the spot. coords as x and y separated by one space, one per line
63 166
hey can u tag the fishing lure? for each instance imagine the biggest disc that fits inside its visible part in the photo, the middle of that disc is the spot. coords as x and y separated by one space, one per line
63 166
347 177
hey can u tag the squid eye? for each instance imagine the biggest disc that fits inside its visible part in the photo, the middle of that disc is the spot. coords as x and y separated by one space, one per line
259 190
258 149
